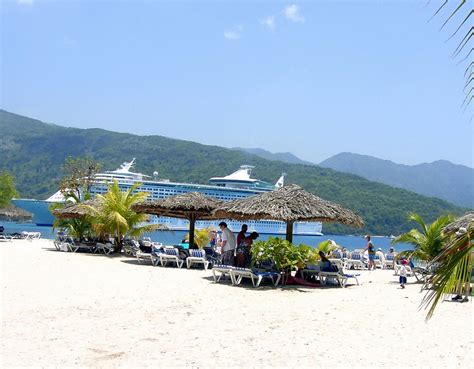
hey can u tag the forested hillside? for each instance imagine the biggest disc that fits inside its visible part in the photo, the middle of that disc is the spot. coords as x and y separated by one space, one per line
34 152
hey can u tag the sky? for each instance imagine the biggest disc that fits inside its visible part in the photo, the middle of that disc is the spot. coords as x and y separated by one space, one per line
312 78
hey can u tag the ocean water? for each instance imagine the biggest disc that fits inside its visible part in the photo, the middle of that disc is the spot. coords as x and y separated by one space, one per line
175 237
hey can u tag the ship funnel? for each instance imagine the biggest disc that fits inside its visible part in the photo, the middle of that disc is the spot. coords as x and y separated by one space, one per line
281 181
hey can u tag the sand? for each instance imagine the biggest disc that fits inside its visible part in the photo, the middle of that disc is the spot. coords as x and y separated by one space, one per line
65 310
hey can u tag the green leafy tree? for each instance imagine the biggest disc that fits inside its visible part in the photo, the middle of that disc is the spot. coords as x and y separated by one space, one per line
428 243
114 216
7 189
79 177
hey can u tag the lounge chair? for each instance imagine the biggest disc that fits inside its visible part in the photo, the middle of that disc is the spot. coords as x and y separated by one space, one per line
170 254
31 235
224 271
389 261
355 261
337 254
197 257
106 248
379 262
309 270
339 263
4 237
339 276
237 274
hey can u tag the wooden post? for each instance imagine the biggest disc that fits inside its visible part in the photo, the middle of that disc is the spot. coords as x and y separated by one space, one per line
289 231
192 221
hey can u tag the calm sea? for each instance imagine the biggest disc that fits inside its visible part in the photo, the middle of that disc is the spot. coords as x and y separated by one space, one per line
175 237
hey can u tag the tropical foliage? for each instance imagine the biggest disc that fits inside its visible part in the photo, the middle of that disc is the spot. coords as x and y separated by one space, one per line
201 237
285 255
79 228
427 241
114 216
454 271
7 189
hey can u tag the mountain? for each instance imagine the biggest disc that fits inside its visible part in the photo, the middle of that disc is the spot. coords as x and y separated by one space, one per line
34 153
286 157
442 179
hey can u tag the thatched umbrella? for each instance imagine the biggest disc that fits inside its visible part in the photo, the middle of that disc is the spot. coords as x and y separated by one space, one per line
288 204
191 206
11 212
466 222
76 210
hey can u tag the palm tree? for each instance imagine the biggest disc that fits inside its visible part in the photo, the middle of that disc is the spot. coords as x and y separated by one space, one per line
454 271
428 243
201 237
114 216
74 227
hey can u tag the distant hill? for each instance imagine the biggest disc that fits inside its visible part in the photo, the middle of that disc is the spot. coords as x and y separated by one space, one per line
286 157
34 153
442 179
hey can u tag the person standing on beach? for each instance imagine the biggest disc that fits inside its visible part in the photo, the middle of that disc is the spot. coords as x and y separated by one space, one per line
371 251
403 273
241 236
227 244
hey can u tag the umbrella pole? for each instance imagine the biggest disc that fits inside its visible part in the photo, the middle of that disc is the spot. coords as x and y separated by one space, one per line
192 221
289 231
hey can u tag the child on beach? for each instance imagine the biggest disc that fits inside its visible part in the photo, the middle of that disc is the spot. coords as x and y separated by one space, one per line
403 273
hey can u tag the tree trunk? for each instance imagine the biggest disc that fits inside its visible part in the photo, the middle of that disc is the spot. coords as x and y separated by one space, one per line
192 221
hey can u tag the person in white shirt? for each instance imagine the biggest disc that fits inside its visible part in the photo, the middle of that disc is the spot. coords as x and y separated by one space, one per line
227 244
403 273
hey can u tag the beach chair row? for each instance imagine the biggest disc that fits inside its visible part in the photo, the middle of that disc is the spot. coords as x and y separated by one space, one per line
163 255
69 245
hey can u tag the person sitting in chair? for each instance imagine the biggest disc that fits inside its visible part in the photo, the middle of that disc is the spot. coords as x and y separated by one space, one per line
326 265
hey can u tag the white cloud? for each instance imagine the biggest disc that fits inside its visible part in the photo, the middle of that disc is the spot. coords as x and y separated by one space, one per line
292 13
269 22
234 34
25 2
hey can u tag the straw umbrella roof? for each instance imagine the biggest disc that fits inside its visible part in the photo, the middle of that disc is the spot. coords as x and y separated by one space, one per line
11 212
288 204
186 205
191 206
466 221
77 210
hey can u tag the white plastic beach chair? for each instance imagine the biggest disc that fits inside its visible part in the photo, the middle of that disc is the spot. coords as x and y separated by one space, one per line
355 261
4 237
197 257
106 248
389 261
309 270
341 277
379 263
31 235
170 254
339 263
223 270
237 274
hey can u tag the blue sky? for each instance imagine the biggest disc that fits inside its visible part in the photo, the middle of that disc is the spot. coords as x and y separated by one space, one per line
313 78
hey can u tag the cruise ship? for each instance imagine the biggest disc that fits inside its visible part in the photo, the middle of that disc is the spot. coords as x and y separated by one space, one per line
237 185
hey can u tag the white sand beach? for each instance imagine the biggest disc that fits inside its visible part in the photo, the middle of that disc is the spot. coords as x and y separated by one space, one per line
65 310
